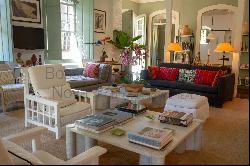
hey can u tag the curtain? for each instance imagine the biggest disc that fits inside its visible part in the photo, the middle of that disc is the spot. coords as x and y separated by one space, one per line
6 44
155 45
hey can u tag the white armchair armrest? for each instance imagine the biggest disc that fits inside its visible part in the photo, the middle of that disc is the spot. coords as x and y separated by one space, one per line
45 101
26 135
91 156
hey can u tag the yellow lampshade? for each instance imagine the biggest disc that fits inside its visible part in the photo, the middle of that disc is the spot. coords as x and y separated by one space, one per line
224 47
176 47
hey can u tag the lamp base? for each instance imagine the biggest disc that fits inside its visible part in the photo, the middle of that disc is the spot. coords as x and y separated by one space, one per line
223 59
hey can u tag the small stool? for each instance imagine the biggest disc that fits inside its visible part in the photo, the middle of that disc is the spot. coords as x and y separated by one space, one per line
189 103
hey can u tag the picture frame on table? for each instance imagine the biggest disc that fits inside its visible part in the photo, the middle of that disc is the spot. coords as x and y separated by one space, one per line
99 21
28 11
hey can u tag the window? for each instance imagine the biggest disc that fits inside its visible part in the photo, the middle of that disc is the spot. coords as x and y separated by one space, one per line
67 27
204 32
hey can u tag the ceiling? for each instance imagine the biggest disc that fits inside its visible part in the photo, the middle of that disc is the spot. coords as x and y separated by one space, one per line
218 12
145 1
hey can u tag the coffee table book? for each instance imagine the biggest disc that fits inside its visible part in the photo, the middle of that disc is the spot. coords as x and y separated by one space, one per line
151 137
176 118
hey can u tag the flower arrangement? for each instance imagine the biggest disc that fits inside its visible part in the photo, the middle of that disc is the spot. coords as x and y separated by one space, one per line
127 44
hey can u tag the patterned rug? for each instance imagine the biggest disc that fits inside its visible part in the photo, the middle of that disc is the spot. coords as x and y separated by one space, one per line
225 140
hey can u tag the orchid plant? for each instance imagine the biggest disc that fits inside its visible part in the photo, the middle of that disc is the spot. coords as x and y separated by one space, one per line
127 44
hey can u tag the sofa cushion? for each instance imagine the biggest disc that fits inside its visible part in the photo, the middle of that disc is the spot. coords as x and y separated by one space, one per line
6 77
196 87
162 83
169 74
186 75
153 72
205 77
91 70
219 74
104 70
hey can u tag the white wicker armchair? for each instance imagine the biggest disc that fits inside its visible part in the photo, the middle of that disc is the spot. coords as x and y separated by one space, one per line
9 91
12 152
52 103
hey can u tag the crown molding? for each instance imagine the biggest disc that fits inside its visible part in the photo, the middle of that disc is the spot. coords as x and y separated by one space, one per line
145 1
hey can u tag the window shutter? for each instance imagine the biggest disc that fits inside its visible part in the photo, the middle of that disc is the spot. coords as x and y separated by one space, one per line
53 29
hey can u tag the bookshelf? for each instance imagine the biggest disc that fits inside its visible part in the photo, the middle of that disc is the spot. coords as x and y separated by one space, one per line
187 43
243 85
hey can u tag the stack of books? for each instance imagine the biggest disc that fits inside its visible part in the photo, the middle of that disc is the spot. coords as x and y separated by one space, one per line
95 123
151 137
176 118
103 121
131 108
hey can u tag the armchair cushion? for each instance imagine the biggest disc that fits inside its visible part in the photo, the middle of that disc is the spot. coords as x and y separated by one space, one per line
6 77
53 74
61 94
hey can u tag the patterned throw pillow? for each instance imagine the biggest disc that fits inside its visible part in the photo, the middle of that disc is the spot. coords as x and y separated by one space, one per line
91 70
205 77
6 77
104 71
219 74
153 72
186 75
169 74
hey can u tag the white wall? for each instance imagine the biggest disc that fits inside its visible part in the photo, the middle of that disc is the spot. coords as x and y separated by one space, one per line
220 22
113 10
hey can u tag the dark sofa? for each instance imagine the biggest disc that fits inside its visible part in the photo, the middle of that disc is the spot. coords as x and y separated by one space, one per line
216 95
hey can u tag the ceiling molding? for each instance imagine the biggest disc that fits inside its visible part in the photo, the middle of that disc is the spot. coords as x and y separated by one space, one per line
145 1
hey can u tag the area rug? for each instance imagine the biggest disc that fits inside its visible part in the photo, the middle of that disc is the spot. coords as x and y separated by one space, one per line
225 139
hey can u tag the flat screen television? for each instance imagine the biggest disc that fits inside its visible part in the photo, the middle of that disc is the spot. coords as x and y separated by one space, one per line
28 38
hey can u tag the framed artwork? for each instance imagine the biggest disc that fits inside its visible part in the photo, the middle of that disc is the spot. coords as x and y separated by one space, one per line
26 11
99 21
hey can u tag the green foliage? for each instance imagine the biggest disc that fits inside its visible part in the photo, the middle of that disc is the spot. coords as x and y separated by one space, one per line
123 40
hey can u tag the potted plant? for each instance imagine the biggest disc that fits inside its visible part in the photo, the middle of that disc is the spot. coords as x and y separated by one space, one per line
127 45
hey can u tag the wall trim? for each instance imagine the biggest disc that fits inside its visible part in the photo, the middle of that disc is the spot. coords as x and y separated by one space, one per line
145 1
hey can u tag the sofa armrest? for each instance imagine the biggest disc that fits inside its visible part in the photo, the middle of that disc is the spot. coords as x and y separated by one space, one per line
226 85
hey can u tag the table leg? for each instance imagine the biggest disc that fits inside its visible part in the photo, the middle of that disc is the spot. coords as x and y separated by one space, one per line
90 142
194 141
70 143
149 160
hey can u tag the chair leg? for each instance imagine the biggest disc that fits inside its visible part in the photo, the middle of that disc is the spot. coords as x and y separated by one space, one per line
58 133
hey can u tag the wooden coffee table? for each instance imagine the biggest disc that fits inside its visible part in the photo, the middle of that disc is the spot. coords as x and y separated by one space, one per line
185 138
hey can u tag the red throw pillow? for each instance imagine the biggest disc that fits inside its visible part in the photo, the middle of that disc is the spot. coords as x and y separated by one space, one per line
91 70
205 77
219 74
169 74
153 72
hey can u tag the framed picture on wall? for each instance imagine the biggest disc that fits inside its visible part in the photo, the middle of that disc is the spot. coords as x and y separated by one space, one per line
99 21
26 11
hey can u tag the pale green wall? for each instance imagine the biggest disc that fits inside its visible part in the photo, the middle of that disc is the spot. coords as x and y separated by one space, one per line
127 4
188 9
6 46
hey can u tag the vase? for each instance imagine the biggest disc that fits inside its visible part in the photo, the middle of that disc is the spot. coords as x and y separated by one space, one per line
185 30
245 28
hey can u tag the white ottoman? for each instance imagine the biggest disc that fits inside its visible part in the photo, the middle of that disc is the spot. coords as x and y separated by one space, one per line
189 103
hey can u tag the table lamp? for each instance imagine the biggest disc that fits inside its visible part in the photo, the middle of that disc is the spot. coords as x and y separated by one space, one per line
174 47
224 48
